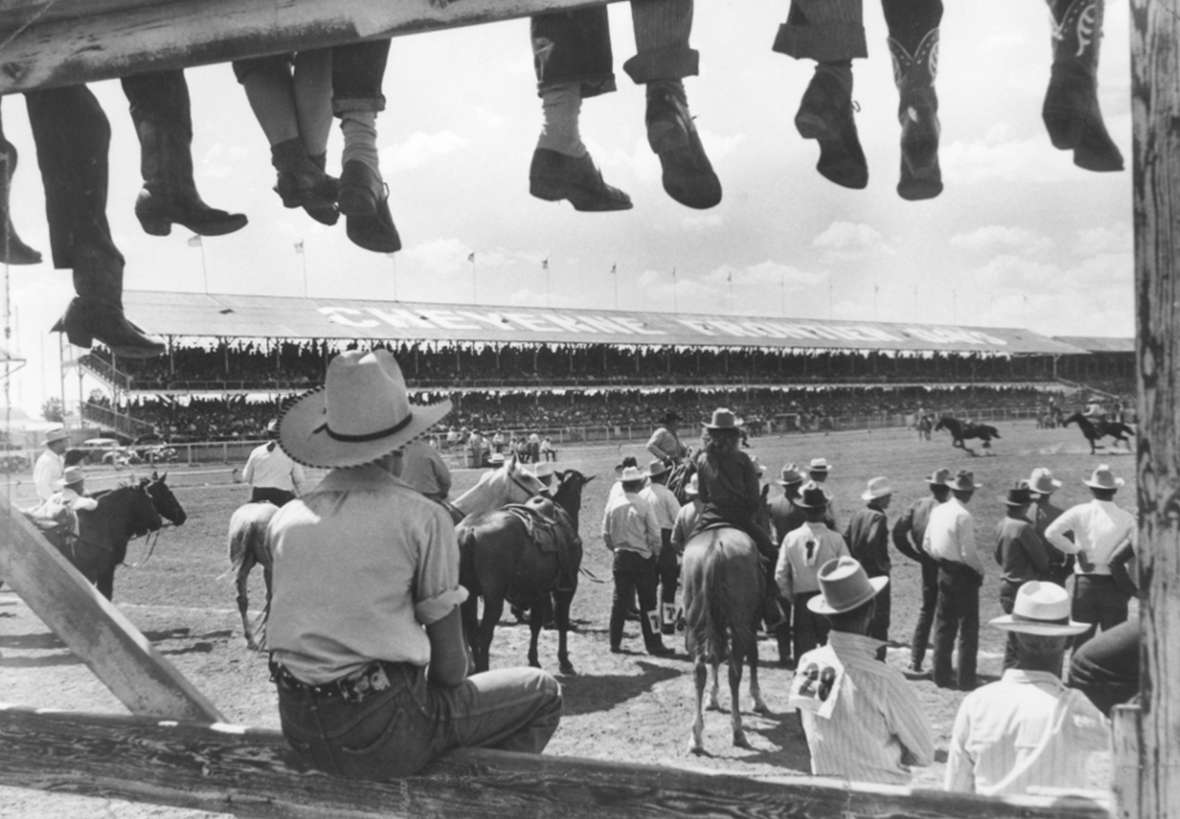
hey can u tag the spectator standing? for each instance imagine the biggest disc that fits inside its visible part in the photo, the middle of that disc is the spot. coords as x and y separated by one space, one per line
686 518
534 447
818 470
1042 484
1021 553
867 537
272 475
423 468
862 720
950 539
909 532
785 517
50 466
1028 730
548 450
661 500
1099 529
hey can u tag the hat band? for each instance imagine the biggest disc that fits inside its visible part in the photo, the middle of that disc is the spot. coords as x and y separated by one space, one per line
368 436
1021 618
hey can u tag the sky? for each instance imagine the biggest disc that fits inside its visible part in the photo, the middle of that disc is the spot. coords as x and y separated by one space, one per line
1020 237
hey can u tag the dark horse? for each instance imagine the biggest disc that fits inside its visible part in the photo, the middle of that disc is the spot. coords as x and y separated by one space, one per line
1097 428
528 554
962 430
122 513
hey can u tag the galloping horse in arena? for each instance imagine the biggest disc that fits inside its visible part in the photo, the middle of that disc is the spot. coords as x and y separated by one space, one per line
723 591
1097 428
962 430
122 513
528 554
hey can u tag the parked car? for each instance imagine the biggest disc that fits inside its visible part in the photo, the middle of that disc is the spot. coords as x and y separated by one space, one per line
102 451
154 449
13 458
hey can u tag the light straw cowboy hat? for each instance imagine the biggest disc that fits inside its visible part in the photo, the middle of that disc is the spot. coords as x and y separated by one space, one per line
877 488
1040 608
723 419
963 481
58 434
544 469
631 474
72 475
1103 478
1042 481
844 586
361 414
657 468
819 465
790 476
939 477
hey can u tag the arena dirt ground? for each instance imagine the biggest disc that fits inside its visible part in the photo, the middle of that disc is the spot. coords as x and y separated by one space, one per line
626 707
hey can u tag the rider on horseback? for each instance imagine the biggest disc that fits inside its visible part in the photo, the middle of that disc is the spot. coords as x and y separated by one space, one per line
664 443
58 516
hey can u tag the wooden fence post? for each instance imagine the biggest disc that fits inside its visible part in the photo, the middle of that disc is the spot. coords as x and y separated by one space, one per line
1155 69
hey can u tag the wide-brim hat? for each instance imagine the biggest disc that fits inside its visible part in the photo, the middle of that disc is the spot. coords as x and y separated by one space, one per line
1103 478
361 414
1019 495
1040 608
723 419
1042 481
844 586
72 475
790 476
632 473
693 487
963 481
878 488
939 477
812 496
657 468
670 417
58 434
819 465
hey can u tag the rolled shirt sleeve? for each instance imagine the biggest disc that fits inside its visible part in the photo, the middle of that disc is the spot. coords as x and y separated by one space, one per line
437 590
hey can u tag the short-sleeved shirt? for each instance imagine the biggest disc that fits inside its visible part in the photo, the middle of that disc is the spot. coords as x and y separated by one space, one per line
361 564
47 472
663 443
268 467
663 502
802 553
1098 528
628 523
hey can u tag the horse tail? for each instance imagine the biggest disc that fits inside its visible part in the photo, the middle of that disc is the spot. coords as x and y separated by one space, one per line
706 623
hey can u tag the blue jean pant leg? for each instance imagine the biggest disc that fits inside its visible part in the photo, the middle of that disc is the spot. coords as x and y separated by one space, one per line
573 46
513 709
358 71
662 29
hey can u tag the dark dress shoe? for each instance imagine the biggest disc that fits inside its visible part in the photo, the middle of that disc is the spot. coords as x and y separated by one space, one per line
86 321
554 176
825 114
158 210
302 182
688 175
364 201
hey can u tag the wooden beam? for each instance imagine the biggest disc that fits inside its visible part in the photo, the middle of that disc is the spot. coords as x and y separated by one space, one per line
1155 66
249 772
44 44
98 633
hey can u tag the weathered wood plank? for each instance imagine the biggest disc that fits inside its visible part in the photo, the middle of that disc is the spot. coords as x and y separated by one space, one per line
1155 66
249 772
77 41
98 633
1124 721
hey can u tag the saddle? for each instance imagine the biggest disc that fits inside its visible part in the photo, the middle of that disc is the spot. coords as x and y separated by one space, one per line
551 531
58 530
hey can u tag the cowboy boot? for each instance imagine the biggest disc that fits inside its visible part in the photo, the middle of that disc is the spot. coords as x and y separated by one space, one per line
303 183
917 111
96 313
825 115
12 249
1070 111
161 113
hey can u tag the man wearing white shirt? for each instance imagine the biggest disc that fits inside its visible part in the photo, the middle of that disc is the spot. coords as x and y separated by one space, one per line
1099 528
423 468
665 506
950 540
272 475
50 466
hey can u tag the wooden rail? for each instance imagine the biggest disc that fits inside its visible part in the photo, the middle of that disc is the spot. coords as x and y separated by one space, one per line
45 43
249 772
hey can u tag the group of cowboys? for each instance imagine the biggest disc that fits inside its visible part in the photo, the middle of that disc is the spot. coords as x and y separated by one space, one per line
835 584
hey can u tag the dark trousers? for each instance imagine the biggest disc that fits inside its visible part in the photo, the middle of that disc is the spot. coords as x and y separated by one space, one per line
271 494
574 46
160 96
1096 600
358 70
956 616
833 30
926 615
1007 600
669 573
634 574
810 629
879 625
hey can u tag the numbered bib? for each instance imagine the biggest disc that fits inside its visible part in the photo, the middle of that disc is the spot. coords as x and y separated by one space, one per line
816 685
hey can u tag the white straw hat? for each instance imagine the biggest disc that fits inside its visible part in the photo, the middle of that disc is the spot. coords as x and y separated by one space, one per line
844 586
1040 608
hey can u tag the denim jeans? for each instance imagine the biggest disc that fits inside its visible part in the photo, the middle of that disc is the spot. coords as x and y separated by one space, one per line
396 732
926 614
1096 600
957 615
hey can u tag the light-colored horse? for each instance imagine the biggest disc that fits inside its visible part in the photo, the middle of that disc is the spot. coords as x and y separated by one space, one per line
510 483
723 592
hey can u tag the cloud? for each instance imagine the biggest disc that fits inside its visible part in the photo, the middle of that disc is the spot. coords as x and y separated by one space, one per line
1113 238
850 241
991 238
419 149
998 158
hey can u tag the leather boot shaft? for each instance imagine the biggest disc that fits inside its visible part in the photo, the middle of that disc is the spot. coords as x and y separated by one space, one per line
917 112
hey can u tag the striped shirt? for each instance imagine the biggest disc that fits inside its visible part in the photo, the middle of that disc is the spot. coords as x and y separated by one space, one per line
1028 730
878 728
1098 528
802 552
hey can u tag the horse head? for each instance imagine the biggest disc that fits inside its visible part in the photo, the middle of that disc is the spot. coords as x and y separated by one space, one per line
1077 418
142 516
568 494
943 423
164 500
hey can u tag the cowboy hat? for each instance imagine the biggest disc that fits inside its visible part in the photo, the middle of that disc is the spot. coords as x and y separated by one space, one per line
939 477
1042 481
877 488
656 468
1040 608
632 474
361 414
819 465
1019 495
693 487
72 475
544 469
628 460
58 434
1103 478
670 417
844 586
964 481
272 427
759 467
790 476
723 419
812 496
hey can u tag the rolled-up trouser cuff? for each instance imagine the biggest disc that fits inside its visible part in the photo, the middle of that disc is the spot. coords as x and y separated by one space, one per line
590 86
823 43
671 63
346 105
573 46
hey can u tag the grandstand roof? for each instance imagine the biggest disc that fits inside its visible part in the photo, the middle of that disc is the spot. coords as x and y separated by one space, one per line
1099 344
213 316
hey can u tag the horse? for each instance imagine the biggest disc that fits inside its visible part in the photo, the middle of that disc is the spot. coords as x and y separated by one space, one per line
1097 428
122 513
962 430
509 483
723 590
528 554
679 477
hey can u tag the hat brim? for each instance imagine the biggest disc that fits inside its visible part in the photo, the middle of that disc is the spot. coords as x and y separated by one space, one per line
1119 483
303 436
1007 502
819 604
781 482
1007 622
868 496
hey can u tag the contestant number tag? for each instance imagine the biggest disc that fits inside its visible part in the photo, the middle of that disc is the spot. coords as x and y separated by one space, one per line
816 684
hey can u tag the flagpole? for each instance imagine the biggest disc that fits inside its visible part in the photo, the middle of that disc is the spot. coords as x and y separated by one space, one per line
303 254
782 292
614 271
675 304
548 283
829 296
729 288
474 297
876 293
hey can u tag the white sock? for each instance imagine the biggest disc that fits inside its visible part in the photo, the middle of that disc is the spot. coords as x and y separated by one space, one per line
560 105
360 138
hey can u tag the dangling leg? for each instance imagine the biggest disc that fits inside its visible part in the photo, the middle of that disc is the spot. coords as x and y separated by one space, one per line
831 32
1071 112
162 115
572 57
662 60
12 249
313 104
913 44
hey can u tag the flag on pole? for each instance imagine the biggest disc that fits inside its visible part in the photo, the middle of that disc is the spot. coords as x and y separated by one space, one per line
614 268
544 264
471 257
673 274
194 240
299 246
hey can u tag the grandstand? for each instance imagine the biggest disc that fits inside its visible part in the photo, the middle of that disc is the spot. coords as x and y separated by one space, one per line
233 360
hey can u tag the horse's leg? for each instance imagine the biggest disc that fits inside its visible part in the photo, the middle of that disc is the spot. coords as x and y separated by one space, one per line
105 581
537 615
715 689
493 607
241 582
736 659
700 674
564 600
760 706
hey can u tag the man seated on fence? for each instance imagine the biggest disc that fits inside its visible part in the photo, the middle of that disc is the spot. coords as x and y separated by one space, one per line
366 644
863 721
1028 730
